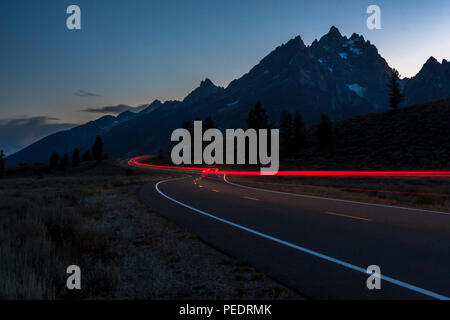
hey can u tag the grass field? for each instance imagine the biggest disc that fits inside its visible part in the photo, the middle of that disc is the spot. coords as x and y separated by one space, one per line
90 216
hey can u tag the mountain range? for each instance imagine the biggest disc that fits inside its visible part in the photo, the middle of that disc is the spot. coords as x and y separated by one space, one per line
335 75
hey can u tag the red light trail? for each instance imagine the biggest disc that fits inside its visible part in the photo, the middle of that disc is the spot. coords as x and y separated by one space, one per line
341 174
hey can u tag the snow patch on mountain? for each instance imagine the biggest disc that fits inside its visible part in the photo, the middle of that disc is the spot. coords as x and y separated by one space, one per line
355 50
232 104
356 88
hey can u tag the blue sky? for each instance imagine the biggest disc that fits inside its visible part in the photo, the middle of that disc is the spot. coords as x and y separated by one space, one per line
133 52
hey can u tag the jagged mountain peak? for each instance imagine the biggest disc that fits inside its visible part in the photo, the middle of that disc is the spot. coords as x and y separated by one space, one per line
335 39
334 32
155 103
432 60
152 106
332 39
333 35
286 50
355 36
206 88
431 83
295 42
207 83
430 66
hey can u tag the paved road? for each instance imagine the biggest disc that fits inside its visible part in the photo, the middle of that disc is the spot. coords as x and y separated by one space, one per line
321 247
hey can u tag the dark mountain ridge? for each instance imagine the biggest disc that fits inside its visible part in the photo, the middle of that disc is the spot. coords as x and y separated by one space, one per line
66 141
336 75
431 83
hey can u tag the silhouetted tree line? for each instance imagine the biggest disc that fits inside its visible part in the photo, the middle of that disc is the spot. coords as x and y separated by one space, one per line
257 118
325 133
97 149
87 156
293 137
62 162
395 94
76 158
292 133
2 162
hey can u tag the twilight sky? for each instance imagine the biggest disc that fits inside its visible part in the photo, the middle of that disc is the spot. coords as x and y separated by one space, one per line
132 52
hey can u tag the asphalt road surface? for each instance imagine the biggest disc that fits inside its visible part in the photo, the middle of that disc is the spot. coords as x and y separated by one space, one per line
321 247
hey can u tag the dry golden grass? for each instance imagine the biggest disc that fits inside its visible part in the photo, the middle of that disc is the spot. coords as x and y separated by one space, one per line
43 230
45 226
91 217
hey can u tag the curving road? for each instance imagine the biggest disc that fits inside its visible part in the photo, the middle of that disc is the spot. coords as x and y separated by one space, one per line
319 246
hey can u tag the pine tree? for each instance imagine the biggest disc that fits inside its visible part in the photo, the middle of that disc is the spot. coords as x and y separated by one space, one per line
187 125
299 132
97 149
257 118
2 162
87 156
208 124
64 162
76 158
286 133
395 94
325 132
54 159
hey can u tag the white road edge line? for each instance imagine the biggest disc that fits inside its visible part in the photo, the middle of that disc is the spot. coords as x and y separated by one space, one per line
334 199
299 248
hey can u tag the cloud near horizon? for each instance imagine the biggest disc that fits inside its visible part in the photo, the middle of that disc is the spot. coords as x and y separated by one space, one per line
17 133
84 93
115 109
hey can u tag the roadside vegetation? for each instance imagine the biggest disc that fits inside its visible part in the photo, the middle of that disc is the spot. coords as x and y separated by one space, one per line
418 193
89 215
